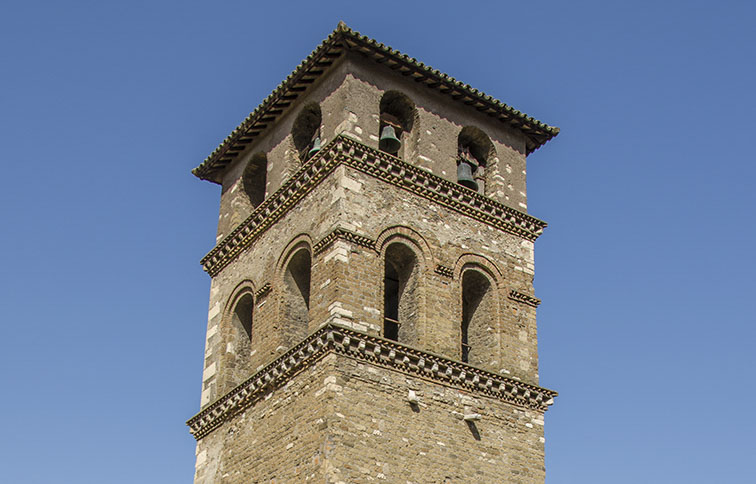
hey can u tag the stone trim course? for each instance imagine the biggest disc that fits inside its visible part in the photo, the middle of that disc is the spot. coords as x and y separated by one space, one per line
445 271
374 350
343 234
524 298
344 150
263 291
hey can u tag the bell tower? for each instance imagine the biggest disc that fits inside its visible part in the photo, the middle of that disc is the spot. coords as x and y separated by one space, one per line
372 314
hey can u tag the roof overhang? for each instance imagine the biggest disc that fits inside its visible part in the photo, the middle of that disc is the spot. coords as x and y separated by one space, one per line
337 44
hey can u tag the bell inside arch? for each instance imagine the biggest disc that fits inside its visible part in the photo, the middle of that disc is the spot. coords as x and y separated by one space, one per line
315 148
465 176
389 142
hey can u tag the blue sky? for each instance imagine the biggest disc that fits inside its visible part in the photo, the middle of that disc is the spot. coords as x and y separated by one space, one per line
646 269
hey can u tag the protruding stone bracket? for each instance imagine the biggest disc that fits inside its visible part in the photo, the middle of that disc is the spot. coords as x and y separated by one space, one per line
445 271
371 349
524 298
343 234
263 291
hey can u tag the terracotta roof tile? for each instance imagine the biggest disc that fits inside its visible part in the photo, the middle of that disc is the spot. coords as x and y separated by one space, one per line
344 39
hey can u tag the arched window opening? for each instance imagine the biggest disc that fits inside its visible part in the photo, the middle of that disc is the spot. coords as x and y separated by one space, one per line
254 178
237 333
478 316
242 317
296 303
474 148
306 131
400 282
397 117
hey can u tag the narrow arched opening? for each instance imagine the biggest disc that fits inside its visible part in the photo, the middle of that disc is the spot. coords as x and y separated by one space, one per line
401 298
474 151
296 297
397 115
238 330
478 319
306 131
242 317
254 178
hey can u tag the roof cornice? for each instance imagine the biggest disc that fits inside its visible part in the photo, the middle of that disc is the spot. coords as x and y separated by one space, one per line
342 40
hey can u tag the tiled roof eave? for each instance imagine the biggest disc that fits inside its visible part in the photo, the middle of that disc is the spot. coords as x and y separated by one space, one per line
333 47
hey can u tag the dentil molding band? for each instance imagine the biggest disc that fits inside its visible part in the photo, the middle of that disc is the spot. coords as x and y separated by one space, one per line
524 298
346 151
332 338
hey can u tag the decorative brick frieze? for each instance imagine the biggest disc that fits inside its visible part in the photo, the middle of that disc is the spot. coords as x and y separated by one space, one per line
343 234
375 350
272 209
445 271
263 291
524 298
343 150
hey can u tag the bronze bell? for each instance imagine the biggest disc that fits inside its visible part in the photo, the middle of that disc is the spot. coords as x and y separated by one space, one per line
465 176
389 142
315 148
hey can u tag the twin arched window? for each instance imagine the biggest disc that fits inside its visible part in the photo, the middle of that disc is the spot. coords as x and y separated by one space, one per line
474 147
401 299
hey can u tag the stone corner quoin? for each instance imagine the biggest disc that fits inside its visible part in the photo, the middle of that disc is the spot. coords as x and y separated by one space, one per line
372 312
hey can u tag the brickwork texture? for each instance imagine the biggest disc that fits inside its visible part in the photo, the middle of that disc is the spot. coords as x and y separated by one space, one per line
389 247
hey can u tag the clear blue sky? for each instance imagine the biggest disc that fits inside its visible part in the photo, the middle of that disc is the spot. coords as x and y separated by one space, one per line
646 270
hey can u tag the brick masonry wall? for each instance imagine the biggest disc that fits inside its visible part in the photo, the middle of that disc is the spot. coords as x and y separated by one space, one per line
349 97
281 439
343 421
346 282
377 436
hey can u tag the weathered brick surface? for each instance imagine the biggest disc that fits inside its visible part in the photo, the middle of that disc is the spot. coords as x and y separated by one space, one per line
347 421
377 435
281 439
344 420
349 97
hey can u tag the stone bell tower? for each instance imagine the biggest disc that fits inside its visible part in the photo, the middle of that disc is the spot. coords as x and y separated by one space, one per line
372 315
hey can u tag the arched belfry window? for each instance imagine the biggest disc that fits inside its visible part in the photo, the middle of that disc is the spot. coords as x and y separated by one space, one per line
296 296
239 336
401 298
474 149
478 319
254 178
242 317
396 120
306 131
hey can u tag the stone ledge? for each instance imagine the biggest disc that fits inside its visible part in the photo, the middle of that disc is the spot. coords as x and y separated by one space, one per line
343 150
378 351
263 291
445 271
343 234
524 298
